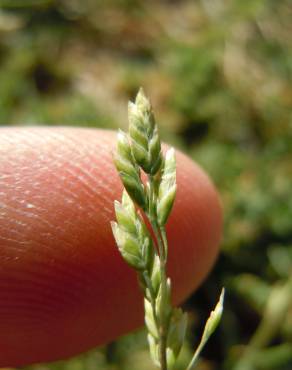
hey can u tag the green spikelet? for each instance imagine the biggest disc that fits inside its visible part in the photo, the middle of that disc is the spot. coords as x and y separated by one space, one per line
144 136
128 170
156 275
132 236
167 188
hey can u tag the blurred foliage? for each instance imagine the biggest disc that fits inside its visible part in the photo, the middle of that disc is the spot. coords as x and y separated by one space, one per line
219 73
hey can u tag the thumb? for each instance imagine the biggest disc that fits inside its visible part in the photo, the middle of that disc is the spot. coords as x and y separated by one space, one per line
64 288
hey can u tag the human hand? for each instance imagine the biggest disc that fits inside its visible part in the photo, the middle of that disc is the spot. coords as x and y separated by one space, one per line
64 287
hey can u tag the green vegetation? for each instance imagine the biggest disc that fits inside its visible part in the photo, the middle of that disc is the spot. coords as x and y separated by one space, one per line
219 74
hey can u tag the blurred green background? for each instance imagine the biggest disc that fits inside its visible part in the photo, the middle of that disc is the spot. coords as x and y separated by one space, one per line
219 74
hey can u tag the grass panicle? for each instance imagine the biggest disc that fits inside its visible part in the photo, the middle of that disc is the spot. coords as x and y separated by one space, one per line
146 250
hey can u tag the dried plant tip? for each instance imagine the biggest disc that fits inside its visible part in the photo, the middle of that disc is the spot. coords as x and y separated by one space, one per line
210 327
214 318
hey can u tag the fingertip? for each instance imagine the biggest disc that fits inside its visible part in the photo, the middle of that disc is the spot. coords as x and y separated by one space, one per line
64 288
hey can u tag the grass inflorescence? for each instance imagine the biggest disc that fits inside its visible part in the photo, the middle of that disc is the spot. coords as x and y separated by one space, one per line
139 152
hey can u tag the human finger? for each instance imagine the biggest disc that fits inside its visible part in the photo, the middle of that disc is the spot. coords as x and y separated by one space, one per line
64 288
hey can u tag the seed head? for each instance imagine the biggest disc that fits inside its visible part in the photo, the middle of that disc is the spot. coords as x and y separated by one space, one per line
145 142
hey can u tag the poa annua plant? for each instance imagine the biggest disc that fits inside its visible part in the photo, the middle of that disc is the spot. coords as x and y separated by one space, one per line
140 152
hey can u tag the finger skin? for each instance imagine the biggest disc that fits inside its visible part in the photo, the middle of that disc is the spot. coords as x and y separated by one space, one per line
64 287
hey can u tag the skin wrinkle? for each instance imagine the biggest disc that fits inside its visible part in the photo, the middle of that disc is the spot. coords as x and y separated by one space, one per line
25 225
72 170
42 252
100 180
5 239
58 262
30 308
27 242
58 312
88 190
39 283
78 168
39 279
73 193
38 310
73 166
30 318
69 265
